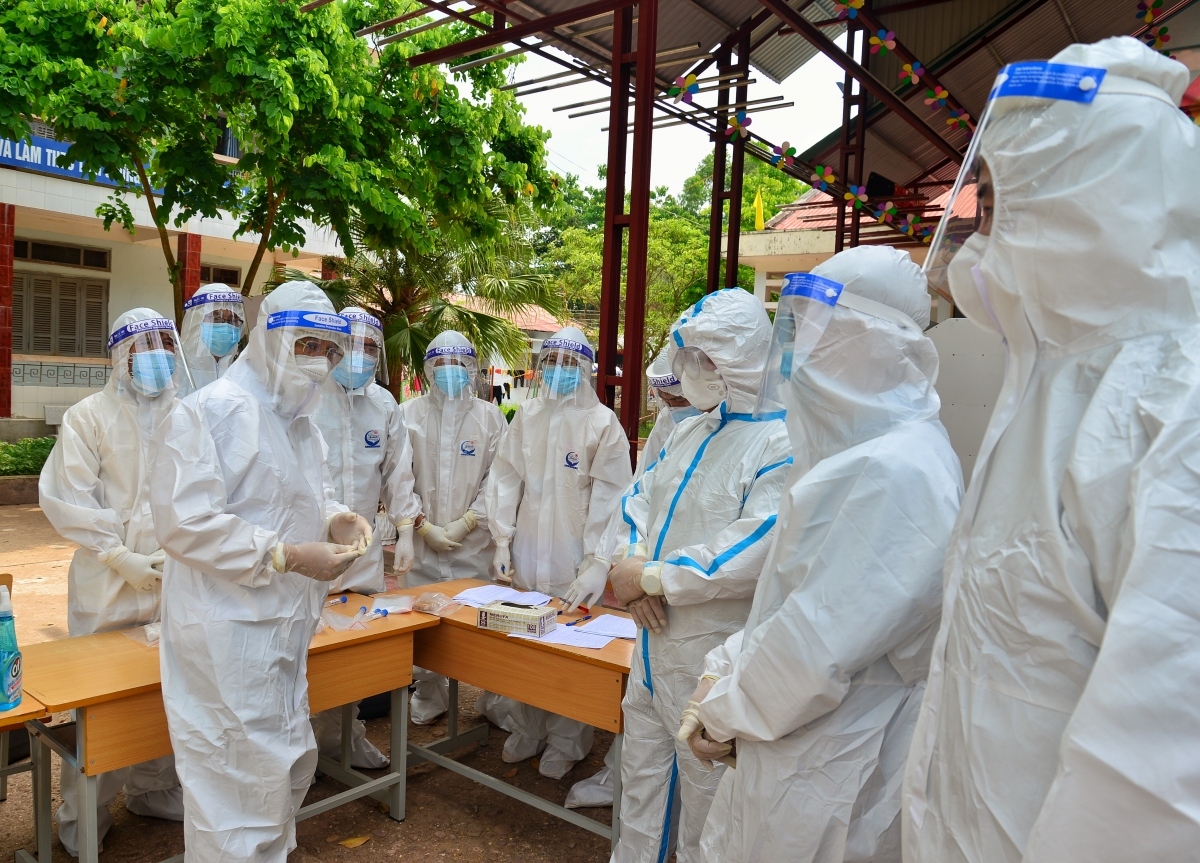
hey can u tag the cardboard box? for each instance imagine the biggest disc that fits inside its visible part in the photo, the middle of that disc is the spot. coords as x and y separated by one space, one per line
524 620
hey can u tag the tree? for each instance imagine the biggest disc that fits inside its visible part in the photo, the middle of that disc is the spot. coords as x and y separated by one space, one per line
778 189
418 292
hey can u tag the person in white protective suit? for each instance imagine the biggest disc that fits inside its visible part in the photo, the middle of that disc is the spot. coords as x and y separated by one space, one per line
821 689
703 517
244 507
214 322
1062 716
556 480
370 460
674 408
454 438
94 489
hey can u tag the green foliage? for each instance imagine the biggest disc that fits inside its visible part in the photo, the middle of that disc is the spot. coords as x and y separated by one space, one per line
26 456
509 410
777 187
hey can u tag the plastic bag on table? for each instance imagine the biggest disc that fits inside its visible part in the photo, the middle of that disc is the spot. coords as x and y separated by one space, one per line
436 603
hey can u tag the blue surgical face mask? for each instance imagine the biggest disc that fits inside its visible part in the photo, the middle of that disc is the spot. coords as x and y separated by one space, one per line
451 380
356 370
152 371
562 380
220 339
680 414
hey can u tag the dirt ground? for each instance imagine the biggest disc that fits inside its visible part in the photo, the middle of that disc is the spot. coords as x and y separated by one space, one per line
448 817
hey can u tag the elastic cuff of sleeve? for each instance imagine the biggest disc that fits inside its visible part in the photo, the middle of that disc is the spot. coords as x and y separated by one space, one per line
637 549
651 579
424 528
501 541
470 520
713 677
106 556
279 557
403 523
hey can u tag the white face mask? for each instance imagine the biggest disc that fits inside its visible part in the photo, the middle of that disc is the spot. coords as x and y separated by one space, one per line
705 391
316 369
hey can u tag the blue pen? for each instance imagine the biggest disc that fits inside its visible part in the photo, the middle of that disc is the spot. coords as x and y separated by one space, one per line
581 620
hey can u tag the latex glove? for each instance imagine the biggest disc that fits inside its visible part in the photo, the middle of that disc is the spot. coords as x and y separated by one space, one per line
626 578
458 529
502 568
405 555
708 750
648 613
141 571
689 722
589 584
348 528
435 536
320 561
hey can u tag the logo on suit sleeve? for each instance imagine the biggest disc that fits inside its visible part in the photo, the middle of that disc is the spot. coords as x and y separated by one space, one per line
372 439
467 447
572 461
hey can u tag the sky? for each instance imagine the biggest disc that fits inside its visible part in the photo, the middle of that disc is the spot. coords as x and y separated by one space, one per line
578 146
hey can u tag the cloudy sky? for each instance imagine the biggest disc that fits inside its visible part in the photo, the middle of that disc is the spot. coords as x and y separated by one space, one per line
578 146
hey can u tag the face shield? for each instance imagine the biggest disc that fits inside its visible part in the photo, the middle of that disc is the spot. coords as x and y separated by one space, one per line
452 369
973 212
147 360
805 309
303 347
213 324
700 381
365 359
564 372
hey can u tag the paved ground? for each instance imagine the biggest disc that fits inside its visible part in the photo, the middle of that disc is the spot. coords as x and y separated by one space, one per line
449 818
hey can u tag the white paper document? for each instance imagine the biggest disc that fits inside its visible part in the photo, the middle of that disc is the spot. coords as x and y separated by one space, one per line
610 625
478 597
570 636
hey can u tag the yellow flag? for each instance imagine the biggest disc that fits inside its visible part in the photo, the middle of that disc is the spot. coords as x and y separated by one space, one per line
759 222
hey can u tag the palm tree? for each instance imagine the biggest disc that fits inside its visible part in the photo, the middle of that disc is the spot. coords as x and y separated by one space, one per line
417 293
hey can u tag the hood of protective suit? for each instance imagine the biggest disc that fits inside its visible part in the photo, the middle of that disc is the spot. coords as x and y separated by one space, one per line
269 356
868 374
732 328
1060 269
567 341
451 343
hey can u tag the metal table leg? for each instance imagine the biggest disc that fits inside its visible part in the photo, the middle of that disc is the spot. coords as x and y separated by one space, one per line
398 724
347 734
3 766
618 742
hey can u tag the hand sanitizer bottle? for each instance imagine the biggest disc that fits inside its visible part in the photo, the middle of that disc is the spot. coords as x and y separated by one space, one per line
10 655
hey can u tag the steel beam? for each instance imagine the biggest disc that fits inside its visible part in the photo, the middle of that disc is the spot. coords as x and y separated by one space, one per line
878 89
737 169
716 210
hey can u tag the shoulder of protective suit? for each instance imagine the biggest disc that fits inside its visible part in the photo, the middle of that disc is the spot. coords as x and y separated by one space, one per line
917 452
380 396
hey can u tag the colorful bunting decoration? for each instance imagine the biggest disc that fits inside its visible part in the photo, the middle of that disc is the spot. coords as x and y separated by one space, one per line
1156 39
685 89
883 41
912 71
936 98
958 118
848 8
926 233
823 177
738 123
785 153
885 212
1148 12
909 225
858 195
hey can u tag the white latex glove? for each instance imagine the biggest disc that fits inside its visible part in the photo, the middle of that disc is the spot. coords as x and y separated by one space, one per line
457 530
141 571
588 586
502 568
404 548
435 536
348 528
707 750
648 613
320 561
689 722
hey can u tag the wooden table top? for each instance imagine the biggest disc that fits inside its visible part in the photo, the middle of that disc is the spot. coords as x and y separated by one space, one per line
29 708
616 655
92 669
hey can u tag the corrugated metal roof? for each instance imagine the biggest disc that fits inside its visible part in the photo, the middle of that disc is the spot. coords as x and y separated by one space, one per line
780 56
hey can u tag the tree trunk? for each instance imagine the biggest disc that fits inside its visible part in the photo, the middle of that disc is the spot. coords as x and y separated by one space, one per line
173 269
273 203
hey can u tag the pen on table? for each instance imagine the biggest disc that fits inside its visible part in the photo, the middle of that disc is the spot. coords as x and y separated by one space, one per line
581 620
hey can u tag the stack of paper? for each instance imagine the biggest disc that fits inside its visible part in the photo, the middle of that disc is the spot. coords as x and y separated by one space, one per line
571 636
610 625
478 597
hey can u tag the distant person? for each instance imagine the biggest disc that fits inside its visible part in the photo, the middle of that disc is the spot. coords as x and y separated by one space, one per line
213 327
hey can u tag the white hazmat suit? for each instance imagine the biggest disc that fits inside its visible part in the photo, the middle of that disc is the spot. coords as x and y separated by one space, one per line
822 687
240 467
705 511
454 438
556 480
214 322
94 489
1062 717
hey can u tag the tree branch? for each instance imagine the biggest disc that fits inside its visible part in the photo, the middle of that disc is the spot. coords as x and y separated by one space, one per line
163 238
268 223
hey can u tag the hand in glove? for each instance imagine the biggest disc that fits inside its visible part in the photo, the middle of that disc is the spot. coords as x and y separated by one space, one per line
626 578
689 722
648 613
320 561
348 528
141 571
589 584
502 568
708 750
457 530
435 537
405 555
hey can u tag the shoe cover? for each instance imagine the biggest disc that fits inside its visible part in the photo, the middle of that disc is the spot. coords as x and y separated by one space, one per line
554 763
327 726
68 831
596 790
518 747
166 804
430 698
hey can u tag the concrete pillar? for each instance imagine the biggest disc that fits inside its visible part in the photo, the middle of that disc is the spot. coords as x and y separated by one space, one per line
8 219
760 285
188 255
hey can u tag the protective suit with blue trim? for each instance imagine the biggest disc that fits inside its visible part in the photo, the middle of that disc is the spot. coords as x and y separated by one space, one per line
820 691
704 514
1062 718
556 480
